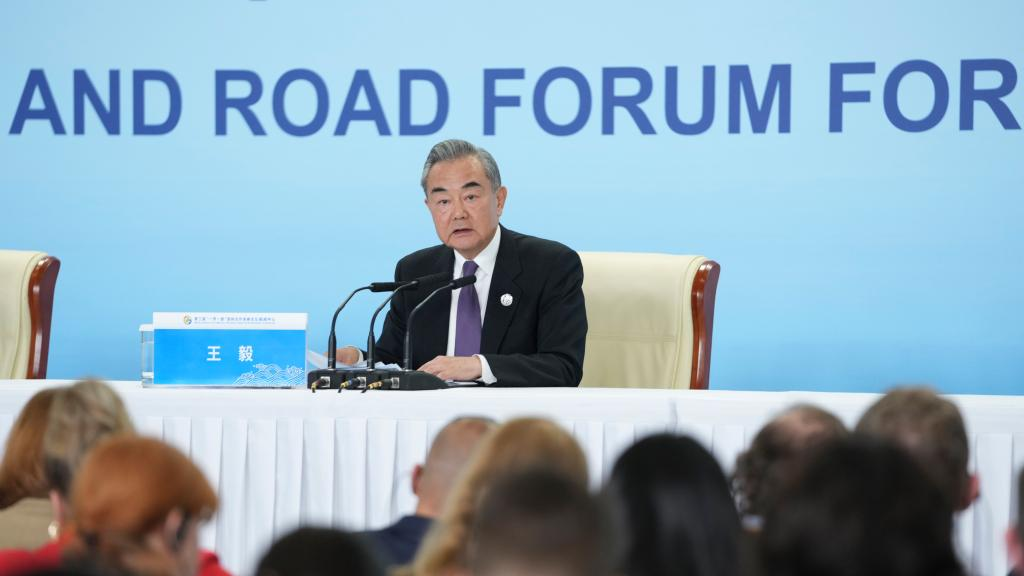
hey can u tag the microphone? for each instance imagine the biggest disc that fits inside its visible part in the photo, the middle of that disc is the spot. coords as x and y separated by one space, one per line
453 285
332 340
395 288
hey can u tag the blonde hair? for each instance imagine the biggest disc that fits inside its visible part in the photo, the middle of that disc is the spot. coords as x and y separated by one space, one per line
81 416
518 445
21 473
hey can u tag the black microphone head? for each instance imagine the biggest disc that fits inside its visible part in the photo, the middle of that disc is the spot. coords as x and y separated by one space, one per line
464 281
386 286
433 278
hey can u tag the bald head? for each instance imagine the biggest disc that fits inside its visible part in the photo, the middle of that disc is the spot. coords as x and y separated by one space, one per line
449 454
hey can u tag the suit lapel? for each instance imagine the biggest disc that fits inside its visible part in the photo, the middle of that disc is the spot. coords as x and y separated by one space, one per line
498 316
432 321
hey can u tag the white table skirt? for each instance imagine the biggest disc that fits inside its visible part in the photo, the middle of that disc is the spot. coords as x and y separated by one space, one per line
281 458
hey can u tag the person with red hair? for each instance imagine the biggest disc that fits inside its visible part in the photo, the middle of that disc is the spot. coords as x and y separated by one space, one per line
56 431
137 504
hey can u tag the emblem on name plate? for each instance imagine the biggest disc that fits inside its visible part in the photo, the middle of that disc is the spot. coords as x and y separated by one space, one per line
506 299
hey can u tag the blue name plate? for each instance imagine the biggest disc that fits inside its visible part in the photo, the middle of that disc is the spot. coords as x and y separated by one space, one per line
231 349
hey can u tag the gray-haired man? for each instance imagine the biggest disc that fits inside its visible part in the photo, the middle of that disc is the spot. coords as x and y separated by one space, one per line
523 323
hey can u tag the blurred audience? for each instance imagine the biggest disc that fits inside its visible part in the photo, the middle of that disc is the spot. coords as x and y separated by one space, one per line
860 506
25 513
674 511
932 430
137 504
539 523
320 552
762 470
81 416
78 416
517 445
1015 534
513 500
431 482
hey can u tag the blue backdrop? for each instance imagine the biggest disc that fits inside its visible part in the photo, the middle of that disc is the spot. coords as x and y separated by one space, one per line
856 169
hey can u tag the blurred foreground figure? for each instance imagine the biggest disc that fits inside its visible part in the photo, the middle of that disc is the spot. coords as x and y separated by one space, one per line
674 511
517 445
78 417
932 430
137 504
860 507
539 523
1015 534
762 470
431 483
24 508
319 552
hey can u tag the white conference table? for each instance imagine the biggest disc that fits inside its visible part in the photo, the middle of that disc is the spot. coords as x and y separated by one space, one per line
282 458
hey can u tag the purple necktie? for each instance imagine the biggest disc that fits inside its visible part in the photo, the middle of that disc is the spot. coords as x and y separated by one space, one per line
467 318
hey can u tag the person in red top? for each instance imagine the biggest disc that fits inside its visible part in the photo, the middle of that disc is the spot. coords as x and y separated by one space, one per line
136 507
78 418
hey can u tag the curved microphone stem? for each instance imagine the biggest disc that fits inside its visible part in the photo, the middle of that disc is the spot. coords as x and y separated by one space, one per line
371 344
332 340
408 324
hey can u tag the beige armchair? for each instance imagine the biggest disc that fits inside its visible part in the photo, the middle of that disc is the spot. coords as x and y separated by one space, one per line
27 281
650 319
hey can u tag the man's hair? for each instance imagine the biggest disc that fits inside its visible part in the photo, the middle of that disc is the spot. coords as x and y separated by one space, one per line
539 522
81 416
860 505
455 149
762 470
931 429
319 552
674 513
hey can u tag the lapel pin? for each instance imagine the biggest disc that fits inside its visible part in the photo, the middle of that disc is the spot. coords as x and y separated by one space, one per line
506 299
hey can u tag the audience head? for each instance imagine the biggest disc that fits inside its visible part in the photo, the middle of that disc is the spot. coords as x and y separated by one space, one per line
517 445
675 513
451 450
1015 534
932 430
21 472
778 446
319 552
137 504
538 523
859 506
81 416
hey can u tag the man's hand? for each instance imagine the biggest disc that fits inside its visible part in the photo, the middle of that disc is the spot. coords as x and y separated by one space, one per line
464 368
348 355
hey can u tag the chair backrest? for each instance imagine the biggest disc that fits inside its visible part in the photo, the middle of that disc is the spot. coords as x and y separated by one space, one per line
650 319
27 281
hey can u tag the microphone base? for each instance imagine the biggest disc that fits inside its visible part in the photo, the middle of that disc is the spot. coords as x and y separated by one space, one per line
364 379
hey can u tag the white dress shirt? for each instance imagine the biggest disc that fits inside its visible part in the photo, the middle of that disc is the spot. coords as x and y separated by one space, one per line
485 262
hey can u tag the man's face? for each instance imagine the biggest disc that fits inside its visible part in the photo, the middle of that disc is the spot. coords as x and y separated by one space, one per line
464 208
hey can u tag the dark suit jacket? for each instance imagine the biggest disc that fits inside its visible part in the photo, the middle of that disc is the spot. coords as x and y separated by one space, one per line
399 542
537 341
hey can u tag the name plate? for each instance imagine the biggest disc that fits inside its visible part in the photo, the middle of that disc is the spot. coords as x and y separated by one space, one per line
230 349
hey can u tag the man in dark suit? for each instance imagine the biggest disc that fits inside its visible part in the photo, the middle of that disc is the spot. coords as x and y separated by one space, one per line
523 323
449 454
